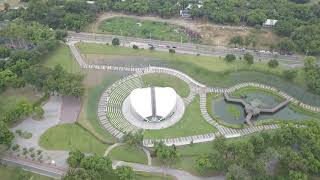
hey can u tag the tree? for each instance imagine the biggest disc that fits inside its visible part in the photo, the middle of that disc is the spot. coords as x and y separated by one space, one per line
96 163
273 63
166 154
134 139
75 158
290 74
236 40
6 136
203 164
38 112
230 58
172 51
256 17
4 52
125 173
236 172
286 46
307 39
248 58
258 143
115 42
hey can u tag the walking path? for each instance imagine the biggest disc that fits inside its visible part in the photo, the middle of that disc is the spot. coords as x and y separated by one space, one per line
195 88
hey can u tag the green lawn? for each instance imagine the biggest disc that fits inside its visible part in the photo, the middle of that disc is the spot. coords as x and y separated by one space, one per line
214 71
164 80
144 28
88 116
71 137
129 154
192 123
63 57
12 173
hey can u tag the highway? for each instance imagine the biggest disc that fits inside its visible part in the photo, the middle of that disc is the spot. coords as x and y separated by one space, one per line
187 48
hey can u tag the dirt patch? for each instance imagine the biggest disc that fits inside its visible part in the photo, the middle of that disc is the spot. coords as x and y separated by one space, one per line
70 109
212 34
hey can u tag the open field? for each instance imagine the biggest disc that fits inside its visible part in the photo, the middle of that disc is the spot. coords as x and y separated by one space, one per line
211 34
11 97
129 154
164 80
214 71
144 29
71 137
12 173
192 123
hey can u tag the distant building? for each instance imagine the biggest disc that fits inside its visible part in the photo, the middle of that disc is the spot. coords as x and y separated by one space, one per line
270 23
186 11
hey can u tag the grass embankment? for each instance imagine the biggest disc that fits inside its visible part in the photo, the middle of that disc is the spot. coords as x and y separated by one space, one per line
129 154
14 173
62 56
192 123
164 80
132 27
96 83
214 71
71 137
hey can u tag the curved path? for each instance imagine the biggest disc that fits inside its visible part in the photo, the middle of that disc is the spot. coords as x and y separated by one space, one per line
145 150
195 88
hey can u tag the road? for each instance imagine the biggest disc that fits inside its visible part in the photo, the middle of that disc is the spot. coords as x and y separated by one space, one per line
187 48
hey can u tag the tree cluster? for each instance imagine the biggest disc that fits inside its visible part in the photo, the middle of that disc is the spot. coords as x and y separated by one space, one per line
312 74
95 167
292 150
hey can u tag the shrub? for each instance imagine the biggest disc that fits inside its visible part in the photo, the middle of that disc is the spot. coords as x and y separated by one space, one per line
248 58
135 47
172 51
38 113
290 74
273 63
15 147
116 41
230 57
19 132
39 151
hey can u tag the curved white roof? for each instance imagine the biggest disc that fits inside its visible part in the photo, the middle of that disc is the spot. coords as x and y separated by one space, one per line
165 99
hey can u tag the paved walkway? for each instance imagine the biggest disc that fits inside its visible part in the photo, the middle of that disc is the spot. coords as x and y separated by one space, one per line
179 174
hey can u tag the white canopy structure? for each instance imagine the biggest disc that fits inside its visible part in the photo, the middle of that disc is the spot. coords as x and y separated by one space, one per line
153 102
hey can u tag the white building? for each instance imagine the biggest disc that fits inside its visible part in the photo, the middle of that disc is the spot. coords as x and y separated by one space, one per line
153 103
270 23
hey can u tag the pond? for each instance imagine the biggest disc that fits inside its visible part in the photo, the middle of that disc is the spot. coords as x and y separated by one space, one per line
234 113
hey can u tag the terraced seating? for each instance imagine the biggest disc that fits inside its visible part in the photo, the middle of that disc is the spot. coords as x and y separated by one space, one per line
110 106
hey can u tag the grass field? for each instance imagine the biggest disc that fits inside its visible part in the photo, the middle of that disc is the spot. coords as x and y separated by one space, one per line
11 97
96 83
214 71
144 29
71 137
129 154
12 173
164 80
192 123
63 57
